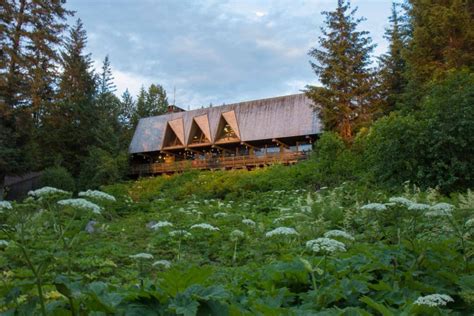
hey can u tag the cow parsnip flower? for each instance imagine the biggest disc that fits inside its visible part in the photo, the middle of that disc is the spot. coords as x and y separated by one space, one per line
236 235
338 233
374 207
282 231
205 226
82 204
419 207
400 200
164 263
326 245
5 205
434 300
440 209
97 195
161 224
470 222
142 255
248 222
220 214
180 233
44 191
3 243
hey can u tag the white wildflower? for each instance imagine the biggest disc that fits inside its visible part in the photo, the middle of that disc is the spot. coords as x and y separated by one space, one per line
338 233
205 226
470 222
236 235
81 204
325 245
248 222
418 207
400 200
5 205
440 209
164 263
142 255
3 243
180 233
282 218
161 224
97 195
443 207
45 191
220 214
305 209
374 207
281 231
434 300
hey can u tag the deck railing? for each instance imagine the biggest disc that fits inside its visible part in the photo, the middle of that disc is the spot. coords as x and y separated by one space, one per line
233 162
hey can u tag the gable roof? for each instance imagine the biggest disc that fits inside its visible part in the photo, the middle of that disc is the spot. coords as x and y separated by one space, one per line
279 117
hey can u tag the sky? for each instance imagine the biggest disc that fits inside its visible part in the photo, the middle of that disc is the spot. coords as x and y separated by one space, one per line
214 51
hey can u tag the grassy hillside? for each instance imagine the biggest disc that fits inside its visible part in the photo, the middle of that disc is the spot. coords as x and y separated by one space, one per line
267 242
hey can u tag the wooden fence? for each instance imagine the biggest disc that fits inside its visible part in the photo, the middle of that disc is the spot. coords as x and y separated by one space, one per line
223 163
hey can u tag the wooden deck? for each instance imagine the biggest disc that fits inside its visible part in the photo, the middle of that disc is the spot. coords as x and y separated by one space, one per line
220 163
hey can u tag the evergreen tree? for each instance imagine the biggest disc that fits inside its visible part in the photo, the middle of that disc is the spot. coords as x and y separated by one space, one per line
347 99
106 79
72 127
30 32
150 103
127 109
442 40
393 64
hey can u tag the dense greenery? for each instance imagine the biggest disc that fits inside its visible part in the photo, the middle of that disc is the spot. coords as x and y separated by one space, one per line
142 255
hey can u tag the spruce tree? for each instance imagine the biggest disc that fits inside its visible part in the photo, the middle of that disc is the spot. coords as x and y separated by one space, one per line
342 62
72 127
393 64
442 40
150 103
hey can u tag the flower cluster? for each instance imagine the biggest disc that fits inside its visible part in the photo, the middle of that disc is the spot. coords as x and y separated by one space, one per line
44 191
3 243
418 207
97 195
434 300
142 255
374 207
281 231
440 209
161 224
205 226
248 222
180 233
164 263
220 214
81 204
400 200
338 233
325 244
236 235
5 205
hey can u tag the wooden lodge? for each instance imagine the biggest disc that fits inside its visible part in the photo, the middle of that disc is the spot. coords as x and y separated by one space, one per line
242 135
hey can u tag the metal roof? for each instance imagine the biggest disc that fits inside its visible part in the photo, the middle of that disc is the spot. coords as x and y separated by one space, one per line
279 117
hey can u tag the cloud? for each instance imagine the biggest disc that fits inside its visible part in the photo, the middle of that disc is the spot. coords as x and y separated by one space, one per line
218 51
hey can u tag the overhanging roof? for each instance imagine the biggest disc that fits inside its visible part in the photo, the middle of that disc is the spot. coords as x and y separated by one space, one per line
280 117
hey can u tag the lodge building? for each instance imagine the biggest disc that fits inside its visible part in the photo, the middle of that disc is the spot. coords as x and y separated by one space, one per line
242 135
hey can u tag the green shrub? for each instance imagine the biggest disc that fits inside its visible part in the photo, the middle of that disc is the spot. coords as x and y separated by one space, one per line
101 167
433 147
58 177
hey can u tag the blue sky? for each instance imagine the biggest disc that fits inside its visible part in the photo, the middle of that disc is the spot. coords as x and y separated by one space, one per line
214 51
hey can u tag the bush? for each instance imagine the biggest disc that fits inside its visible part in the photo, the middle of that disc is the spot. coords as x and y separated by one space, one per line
58 177
102 168
433 147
